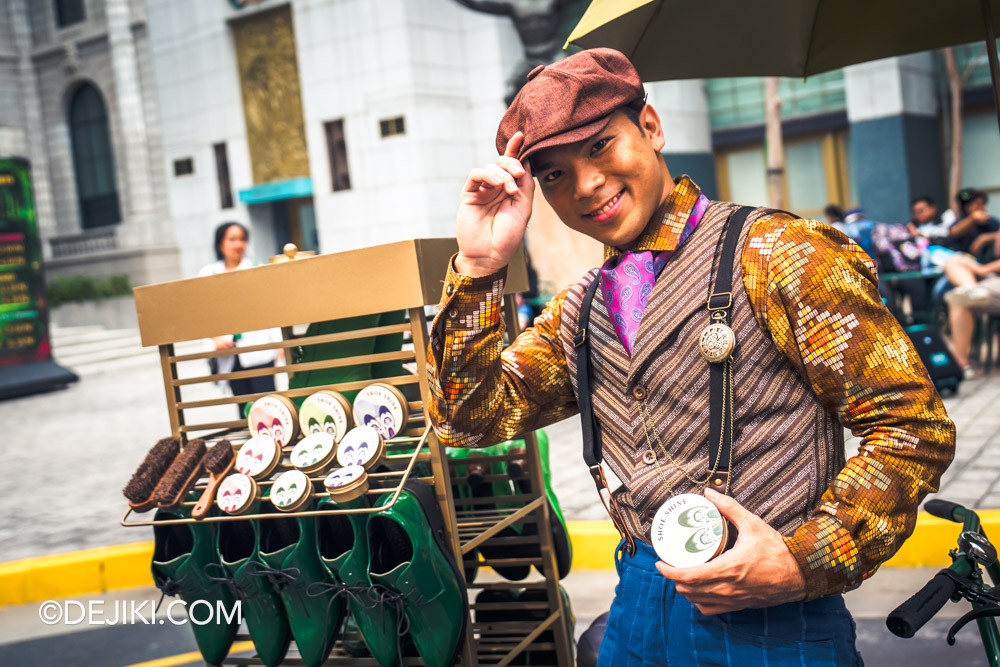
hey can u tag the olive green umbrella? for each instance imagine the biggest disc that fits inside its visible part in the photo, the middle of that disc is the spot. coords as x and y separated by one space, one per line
693 39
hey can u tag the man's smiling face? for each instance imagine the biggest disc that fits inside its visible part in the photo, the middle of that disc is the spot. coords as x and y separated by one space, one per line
609 185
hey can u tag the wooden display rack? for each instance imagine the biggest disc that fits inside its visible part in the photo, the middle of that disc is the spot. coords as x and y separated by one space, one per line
406 275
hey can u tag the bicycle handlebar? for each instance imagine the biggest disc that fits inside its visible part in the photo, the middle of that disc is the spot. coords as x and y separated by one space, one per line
943 509
907 618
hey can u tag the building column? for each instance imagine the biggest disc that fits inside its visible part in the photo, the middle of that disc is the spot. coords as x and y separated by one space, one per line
895 135
31 110
683 110
138 205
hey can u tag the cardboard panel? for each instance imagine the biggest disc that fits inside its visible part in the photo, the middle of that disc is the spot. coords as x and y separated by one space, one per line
395 276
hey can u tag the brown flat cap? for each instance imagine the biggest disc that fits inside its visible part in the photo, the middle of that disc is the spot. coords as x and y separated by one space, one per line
570 100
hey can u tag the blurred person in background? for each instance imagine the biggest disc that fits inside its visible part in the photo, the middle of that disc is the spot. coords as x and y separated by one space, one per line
231 240
977 290
926 222
974 230
834 216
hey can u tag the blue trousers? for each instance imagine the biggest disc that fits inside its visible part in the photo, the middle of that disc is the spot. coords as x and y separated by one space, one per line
651 624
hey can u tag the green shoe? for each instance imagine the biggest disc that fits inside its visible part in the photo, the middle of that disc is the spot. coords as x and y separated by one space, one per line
287 548
410 557
181 552
557 522
262 608
342 543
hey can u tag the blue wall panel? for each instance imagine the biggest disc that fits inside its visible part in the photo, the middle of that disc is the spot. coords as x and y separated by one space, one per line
699 166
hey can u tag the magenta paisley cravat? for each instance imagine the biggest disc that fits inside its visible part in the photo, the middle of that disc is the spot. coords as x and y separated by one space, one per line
628 280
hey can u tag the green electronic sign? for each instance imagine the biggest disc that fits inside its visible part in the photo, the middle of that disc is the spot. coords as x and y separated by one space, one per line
25 350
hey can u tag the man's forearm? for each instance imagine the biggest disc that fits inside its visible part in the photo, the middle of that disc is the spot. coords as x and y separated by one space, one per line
481 395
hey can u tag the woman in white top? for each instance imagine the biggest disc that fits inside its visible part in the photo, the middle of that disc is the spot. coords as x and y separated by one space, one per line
230 250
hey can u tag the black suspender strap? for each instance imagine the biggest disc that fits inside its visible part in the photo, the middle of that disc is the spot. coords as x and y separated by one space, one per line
720 402
720 301
591 434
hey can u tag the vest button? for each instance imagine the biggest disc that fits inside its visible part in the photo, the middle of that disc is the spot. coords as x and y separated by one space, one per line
639 392
449 289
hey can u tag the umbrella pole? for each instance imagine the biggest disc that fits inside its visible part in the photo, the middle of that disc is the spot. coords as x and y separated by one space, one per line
991 53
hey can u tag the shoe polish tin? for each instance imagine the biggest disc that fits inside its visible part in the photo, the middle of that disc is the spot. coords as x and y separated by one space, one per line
273 415
688 530
314 452
325 411
362 446
291 490
381 406
237 494
346 483
258 457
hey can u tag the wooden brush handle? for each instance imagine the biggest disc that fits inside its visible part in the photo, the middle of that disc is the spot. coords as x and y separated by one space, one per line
201 507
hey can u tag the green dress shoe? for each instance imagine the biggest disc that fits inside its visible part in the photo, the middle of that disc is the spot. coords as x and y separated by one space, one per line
557 522
262 608
342 543
287 548
181 552
411 558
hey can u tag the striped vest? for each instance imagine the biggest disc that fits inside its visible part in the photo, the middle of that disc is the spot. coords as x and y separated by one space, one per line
786 447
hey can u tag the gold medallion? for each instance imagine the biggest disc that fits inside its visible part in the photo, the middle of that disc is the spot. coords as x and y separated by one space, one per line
717 342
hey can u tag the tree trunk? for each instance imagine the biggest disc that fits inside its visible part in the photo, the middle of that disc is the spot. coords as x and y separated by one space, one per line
955 89
775 146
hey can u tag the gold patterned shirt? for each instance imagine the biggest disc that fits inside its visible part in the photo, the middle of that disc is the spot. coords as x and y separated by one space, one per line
814 293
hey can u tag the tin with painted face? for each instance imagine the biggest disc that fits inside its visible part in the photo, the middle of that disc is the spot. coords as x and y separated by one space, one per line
237 494
362 446
688 530
346 483
383 407
326 411
258 457
273 415
291 490
314 452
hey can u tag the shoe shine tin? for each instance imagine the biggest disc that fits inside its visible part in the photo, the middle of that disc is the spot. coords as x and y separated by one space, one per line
325 411
314 452
362 446
273 415
688 530
346 483
258 457
383 407
290 490
237 494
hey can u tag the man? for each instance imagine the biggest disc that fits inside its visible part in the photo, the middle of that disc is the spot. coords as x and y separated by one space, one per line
815 348
976 229
926 222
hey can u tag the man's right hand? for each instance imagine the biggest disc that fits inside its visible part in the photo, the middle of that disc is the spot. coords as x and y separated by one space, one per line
492 213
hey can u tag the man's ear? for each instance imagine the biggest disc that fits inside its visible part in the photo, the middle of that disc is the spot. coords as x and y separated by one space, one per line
651 125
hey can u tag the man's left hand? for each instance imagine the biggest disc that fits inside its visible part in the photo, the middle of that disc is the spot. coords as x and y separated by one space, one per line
759 571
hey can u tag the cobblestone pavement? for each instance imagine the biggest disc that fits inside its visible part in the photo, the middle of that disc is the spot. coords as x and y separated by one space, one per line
68 453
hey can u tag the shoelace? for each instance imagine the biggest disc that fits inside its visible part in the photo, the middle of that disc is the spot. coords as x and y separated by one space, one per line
388 597
287 581
224 579
171 587
320 588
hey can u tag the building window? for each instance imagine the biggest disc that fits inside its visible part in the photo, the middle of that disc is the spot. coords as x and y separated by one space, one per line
734 102
336 146
93 159
183 167
222 174
391 126
69 12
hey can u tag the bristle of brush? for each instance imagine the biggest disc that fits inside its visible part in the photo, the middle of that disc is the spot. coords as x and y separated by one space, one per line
190 458
218 457
151 470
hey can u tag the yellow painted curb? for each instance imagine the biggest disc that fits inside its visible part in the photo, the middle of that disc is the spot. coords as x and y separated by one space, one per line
127 566
76 573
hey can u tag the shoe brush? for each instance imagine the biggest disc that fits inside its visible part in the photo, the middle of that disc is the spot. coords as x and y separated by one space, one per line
141 489
181 475
219 462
